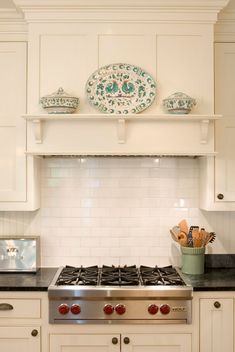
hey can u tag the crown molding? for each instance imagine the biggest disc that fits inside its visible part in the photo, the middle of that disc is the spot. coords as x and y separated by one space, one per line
121 10
12 14
225 26
12 25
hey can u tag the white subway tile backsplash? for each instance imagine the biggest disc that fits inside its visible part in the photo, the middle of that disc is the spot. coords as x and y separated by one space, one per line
116 210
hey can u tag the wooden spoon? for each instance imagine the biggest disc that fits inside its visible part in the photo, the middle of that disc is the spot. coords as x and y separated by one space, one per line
183 239
183 226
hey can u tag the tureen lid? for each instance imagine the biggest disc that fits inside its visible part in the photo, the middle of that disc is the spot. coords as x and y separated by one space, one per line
60 93
179 95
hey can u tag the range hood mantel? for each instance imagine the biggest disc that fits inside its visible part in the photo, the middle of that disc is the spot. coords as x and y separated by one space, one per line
170 39
139 135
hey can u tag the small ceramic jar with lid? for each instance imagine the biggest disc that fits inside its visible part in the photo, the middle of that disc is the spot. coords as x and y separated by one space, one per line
178 103
59 102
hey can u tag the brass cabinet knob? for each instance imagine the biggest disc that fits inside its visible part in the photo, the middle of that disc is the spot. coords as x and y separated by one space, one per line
126 340
114 340
217 304
220 196
34 332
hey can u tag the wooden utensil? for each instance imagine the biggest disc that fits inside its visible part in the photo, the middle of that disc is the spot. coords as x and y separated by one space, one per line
205 237
174 236
183 239
197 238
213 236
210 238
183 226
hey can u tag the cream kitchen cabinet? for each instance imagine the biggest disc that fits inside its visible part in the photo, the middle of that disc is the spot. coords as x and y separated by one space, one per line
15 339
225 128
126 343
216 325
17 330
18 173
218 173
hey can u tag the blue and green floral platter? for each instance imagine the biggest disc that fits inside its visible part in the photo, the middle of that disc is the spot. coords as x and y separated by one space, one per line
120 89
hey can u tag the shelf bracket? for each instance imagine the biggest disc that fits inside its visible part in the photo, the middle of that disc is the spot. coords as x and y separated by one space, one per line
37 129
204 131
121 131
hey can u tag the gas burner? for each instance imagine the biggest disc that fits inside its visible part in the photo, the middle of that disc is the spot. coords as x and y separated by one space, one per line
119 276
160 276
78 276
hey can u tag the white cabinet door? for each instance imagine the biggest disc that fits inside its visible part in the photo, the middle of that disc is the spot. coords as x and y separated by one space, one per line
216 325
156 343
225 128
12 126
19 177
19 339
125 343
84 343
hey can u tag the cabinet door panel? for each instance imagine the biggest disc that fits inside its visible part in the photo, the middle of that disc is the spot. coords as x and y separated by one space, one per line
225 128
216 325
157 343
84 343
17 339
12 126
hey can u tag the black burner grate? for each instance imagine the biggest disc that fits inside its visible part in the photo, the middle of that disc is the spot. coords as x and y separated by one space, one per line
119 276
78 276
160 276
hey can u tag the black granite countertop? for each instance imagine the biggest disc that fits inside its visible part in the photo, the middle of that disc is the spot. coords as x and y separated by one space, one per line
219 274
38 281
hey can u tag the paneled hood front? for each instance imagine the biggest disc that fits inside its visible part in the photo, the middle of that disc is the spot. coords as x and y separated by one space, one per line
172 40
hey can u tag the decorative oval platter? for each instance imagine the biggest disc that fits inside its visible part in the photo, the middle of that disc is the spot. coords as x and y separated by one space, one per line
120 89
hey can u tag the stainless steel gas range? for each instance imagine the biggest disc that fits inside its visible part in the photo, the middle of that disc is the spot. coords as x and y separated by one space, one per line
119 295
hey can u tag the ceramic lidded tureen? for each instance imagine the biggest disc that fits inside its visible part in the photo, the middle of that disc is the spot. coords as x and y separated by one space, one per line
59 102
179 103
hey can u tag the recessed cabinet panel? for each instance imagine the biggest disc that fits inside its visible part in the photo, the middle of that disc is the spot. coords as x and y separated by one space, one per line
124 343
67 61
15 339
181 68
158 343
12 127
20 308
84 343
225 128
216 325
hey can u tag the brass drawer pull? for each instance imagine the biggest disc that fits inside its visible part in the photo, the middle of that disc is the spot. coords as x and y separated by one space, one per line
6 306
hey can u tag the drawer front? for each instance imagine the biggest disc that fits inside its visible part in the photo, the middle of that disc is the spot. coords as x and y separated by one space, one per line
20 308
14 339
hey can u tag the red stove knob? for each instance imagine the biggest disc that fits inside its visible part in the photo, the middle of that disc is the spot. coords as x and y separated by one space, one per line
63 309
152 309
120 309
165 309
108 309
75 309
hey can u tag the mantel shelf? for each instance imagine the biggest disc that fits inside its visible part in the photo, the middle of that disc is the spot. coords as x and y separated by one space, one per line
122 121
173 117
